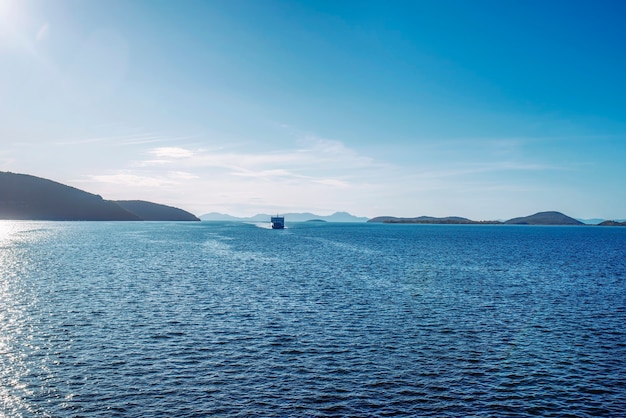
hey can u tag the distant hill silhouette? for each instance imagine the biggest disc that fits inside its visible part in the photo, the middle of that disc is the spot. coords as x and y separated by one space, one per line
26 197
216 216
545 218
591 221
289 217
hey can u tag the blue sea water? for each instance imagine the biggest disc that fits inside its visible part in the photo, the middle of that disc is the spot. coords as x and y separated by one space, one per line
235 319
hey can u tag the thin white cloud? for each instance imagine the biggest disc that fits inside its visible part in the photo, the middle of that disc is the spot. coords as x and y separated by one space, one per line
148 138
333 183
332 150
171 152
133 180
312 156
486 168
312 162
267 173
302 175
182 175
145 140
150 163
117 139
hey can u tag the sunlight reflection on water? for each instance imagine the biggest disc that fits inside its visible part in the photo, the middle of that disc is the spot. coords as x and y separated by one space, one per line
12 365
21 355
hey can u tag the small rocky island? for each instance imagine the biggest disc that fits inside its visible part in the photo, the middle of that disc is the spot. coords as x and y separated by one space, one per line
612 223
26 197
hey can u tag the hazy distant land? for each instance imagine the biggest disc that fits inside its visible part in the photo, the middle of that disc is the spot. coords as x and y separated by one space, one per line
291 217
540 218
26 197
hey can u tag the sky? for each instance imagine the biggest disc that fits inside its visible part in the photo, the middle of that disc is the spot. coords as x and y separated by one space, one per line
482 109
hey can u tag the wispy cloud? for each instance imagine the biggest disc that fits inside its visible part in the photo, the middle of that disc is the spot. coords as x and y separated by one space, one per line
171 152
286 176
150 163
312 159
469 169
132 139
267 173
133 180
318 173
333 183
182 175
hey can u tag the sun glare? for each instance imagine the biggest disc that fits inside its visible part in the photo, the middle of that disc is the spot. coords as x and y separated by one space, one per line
7 228
5 7
8 18
14 16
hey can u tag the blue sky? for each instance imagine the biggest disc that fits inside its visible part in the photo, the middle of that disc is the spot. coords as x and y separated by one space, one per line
484 109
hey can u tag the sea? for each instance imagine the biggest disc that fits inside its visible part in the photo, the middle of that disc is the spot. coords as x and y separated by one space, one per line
195 319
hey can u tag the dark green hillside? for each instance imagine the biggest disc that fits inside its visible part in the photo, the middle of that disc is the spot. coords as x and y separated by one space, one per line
149 211
28 197
545 218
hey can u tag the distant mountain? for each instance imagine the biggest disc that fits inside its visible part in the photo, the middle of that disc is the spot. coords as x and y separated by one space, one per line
428 220
544 218
149 211
216 216
27 197
289 217
592 221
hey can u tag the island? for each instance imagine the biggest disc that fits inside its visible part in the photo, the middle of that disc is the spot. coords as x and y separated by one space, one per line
544 218
26 197
449 220
612 223
540 218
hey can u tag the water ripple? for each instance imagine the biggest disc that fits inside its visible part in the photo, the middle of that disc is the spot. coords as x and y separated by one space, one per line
176 319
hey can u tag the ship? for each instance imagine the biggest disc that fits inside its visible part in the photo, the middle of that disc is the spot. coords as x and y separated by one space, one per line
277 222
